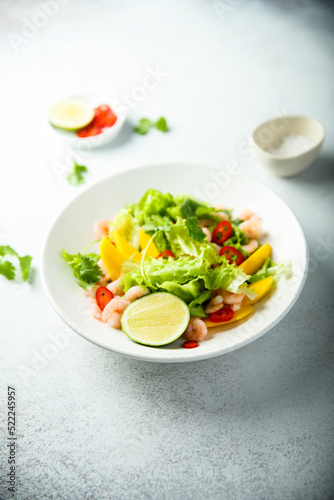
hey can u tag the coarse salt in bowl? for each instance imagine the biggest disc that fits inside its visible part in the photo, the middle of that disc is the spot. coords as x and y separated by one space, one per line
289 144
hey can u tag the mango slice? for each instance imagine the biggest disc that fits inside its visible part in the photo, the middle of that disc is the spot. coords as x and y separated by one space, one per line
144 239
256 260
244 311
261 287
124 247
111 257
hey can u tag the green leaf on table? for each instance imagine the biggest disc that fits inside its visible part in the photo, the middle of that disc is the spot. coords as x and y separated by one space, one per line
7 269
161 124
75 176
144 126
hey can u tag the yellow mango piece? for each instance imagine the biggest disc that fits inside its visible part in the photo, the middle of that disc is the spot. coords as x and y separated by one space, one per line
242 313
111 258
124 247
144 239
256 260
261 287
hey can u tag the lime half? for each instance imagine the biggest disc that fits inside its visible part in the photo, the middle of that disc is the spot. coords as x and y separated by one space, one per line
155 319
71 114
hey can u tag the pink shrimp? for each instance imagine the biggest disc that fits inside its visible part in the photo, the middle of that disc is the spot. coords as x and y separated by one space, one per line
208 234
101 228
215 304
135 293
251 246
113 311
92 291
252 224
232 298
196 329
95 311
115 289
104 270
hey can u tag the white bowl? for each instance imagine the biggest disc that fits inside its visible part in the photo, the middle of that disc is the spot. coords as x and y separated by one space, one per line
270 133
87 143
72 231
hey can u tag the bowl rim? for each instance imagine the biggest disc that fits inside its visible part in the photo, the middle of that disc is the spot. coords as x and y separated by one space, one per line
289 157
168 358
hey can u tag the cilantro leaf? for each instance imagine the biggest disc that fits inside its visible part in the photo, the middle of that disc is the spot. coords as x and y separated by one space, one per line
7 250
85 268
7 269
25 264
194 229
144 126
75 176
161 124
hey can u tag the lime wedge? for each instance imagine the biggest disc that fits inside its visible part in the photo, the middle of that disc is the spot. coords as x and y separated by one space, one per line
71 114
155 319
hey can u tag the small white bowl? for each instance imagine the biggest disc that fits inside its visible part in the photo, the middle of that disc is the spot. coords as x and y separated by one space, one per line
86 143
270 134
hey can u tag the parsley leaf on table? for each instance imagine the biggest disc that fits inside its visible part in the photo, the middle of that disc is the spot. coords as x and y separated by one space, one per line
7 268
85 268
145 125
75 176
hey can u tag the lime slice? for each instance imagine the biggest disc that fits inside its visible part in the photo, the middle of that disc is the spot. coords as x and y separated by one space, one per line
71 114
155 319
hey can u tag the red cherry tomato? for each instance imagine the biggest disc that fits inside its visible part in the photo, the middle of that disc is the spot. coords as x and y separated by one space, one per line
166 253
190 344
90 130
222 232
103 297
233 255
224 314
104 116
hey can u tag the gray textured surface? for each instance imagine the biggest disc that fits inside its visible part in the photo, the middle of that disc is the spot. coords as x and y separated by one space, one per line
253 424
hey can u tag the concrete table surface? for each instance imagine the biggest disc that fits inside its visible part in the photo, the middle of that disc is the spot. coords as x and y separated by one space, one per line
254 424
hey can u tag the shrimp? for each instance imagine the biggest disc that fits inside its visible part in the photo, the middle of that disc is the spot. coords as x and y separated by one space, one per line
113 311
115 289
92 291
196 330
214 305
252 225
235 307
208 234
135 293
95 311
101 228
232 298
251 246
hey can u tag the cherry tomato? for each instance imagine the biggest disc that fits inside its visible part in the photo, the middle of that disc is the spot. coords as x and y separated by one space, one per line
222 232
190 344
104 116
233 255
224 314
103 297
166 253
90 130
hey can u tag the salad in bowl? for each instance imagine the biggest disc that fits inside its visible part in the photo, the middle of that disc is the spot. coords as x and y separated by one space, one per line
173 266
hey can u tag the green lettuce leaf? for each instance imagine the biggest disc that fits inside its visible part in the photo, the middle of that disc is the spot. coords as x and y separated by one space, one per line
196 306
269 268
127 226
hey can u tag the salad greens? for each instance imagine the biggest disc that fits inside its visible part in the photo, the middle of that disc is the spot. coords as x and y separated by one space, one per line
7 268
85 268
190 277
269 268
